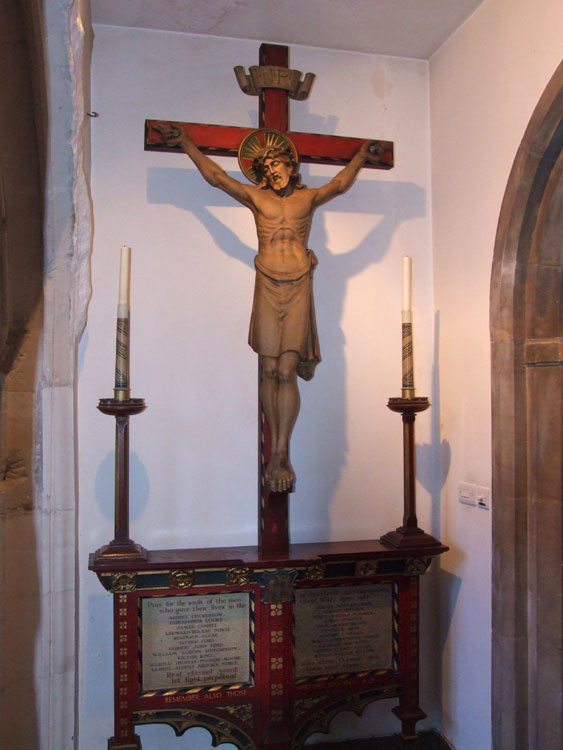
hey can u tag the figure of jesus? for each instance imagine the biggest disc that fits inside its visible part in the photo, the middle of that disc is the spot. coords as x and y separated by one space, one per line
282 327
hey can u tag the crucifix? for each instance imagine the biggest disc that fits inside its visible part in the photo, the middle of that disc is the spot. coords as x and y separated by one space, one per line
269 158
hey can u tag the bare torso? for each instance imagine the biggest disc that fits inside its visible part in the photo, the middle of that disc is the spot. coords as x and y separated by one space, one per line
283 226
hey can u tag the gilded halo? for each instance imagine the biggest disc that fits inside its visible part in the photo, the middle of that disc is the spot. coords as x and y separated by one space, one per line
257 140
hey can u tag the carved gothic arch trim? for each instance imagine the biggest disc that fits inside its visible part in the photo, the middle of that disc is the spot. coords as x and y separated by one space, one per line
526 342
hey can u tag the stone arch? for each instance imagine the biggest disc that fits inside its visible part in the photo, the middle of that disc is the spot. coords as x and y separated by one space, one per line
21 315
45 242
527 357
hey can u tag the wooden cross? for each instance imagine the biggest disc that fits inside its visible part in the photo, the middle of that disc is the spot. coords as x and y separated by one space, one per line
224 140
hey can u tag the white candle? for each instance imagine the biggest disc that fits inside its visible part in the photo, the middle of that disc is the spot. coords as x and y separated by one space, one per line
122 335
407 284
124 280
407 343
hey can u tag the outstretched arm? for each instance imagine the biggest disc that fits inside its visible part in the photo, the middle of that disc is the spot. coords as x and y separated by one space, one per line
345 178
174 135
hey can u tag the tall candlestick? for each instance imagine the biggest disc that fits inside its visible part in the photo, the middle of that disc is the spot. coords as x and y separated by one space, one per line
122 390
407 341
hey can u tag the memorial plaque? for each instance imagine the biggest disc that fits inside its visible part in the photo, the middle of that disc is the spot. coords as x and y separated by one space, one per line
343 630
195 641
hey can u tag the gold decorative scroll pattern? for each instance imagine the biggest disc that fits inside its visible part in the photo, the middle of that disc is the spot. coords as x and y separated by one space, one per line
122 354
408 368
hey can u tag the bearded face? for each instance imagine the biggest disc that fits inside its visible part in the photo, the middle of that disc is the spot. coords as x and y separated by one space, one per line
276 168
277 172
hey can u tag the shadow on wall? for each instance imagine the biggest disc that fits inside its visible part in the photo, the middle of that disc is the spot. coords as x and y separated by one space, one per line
21 274
105 486
434 458
395 202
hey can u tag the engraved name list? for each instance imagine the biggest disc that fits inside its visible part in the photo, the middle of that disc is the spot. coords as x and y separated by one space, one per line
195 641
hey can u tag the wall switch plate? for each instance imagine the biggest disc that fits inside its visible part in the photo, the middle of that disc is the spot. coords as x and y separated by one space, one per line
467 493
483 497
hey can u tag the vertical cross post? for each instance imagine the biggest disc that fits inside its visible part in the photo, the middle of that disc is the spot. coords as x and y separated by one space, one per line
273 507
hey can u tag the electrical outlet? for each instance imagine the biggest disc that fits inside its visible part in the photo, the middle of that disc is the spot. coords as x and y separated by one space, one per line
483 497
467 493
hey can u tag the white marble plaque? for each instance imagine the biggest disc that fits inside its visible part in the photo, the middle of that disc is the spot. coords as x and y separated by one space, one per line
342 630
195 641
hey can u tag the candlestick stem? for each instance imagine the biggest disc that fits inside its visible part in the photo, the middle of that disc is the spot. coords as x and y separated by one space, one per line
121 545
409 534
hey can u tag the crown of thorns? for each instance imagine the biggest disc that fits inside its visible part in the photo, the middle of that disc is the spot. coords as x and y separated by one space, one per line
262 144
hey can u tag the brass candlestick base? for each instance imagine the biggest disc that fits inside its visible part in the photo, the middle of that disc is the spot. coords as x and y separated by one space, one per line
409 534
121 547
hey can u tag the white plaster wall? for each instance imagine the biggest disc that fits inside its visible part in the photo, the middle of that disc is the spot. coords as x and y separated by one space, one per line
194 451
485 83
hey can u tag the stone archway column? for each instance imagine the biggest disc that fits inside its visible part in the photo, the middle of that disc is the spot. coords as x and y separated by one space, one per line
66 35
527 368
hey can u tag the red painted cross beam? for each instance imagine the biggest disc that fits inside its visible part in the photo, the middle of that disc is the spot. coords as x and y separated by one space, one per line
224 140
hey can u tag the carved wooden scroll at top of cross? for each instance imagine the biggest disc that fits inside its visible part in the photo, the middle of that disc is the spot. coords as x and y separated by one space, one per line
274 77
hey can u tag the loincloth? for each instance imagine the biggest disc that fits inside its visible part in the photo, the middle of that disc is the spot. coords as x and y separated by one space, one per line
283 317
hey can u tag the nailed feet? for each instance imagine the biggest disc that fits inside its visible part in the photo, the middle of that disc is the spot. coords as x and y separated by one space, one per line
280 476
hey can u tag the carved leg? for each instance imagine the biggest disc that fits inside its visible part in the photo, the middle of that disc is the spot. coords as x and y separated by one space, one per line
275 704
124 624
269 394
288 400
280 475
408 710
